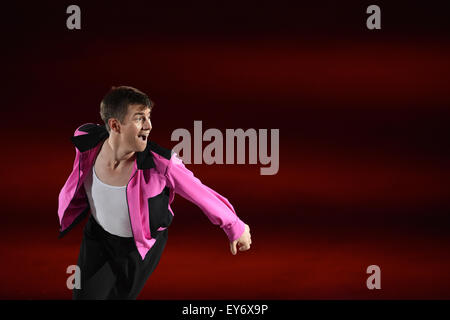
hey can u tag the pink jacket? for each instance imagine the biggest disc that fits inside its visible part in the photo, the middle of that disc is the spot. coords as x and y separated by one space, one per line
157 176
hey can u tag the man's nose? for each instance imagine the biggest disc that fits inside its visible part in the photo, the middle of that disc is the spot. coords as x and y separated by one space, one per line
147 125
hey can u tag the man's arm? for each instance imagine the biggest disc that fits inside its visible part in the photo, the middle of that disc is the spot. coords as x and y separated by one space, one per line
216 207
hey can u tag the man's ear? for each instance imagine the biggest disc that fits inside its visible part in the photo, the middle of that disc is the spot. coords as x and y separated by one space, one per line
114 125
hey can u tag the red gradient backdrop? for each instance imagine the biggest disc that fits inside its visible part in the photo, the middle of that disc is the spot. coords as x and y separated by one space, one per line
364 141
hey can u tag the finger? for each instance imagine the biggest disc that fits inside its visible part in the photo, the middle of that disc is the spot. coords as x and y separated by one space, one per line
233 247
244 247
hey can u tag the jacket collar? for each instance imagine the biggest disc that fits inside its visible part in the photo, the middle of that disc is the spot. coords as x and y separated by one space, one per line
98 133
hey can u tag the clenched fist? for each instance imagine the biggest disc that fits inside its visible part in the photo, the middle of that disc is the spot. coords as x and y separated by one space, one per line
243 242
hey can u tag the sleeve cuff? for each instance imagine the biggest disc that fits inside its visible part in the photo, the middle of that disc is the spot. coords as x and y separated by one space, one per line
235 230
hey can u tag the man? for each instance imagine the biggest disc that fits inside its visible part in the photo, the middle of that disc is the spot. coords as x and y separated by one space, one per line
127 183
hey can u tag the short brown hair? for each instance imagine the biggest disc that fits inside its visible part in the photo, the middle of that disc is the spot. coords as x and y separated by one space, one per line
116 101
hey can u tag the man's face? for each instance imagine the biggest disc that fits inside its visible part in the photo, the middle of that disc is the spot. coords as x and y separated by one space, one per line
135 128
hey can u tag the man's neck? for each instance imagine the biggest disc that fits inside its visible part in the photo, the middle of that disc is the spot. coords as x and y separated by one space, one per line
115 156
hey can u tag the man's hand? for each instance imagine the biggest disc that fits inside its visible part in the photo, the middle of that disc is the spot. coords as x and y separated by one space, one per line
243 242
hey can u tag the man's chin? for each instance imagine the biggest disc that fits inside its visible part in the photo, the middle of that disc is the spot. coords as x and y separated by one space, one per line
141 147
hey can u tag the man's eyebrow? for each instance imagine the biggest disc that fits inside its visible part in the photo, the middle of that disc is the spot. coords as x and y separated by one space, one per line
140 113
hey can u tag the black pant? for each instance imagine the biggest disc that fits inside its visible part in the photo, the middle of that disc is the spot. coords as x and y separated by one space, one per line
111 266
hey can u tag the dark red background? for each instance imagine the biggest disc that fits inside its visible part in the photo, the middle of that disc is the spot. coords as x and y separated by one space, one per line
364 142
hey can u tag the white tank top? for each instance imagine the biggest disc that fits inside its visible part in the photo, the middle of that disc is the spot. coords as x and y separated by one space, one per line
108 205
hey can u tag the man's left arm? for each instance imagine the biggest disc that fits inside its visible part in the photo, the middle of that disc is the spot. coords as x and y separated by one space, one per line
216 207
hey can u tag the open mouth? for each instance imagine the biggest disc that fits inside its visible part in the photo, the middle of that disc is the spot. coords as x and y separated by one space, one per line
143 137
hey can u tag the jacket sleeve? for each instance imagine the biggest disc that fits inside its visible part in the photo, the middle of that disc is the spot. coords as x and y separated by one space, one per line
216 207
